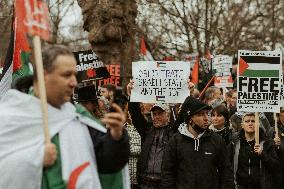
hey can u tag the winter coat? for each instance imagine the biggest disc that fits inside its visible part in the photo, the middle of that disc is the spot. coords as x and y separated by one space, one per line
196 163
250 168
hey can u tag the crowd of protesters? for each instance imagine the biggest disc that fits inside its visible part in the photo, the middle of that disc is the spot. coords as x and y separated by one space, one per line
203 143
208 145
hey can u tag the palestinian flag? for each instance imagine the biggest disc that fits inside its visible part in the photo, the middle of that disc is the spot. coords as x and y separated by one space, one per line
145 54
259 66
17 61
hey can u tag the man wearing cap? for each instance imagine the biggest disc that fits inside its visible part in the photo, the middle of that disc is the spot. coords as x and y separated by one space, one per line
196 157
154 137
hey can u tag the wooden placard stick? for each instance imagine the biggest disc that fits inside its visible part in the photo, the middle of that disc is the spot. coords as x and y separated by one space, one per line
41 83
275 125
256 130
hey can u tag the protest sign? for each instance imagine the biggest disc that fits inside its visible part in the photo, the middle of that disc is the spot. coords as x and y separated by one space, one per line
222 65
33 18
160 81
114 78
259 81
89 66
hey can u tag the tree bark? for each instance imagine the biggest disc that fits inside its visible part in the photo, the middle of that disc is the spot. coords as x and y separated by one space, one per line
112 28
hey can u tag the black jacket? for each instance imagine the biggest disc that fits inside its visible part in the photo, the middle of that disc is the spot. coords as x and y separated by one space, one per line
196 163
278 174
147 133
251 169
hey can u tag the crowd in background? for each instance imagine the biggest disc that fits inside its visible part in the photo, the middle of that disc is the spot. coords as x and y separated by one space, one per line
160 135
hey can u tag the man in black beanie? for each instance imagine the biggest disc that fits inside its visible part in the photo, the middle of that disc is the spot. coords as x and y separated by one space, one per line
196 157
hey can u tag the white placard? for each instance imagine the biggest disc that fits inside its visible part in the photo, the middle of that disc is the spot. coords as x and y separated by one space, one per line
160 81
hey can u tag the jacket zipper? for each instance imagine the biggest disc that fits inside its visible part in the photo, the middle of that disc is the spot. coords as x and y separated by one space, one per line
249 166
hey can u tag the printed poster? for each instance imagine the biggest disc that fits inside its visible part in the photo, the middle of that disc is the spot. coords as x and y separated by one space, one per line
259 81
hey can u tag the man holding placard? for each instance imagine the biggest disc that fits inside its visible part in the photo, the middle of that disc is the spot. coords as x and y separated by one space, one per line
253 163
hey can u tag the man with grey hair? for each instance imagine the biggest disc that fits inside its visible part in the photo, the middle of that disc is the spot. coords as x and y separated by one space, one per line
27 161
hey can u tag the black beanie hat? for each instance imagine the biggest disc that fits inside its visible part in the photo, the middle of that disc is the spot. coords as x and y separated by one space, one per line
190 107
87 93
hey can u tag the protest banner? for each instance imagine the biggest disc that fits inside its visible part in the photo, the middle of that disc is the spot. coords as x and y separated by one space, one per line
259 81
114 76
89 67
160 81
222 65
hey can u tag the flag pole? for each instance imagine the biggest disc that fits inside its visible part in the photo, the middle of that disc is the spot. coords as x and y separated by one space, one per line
41 85
256 131
205 88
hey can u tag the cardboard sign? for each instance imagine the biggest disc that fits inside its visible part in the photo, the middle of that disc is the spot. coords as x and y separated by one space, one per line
259 81
33 17
160 81
222 65
89 66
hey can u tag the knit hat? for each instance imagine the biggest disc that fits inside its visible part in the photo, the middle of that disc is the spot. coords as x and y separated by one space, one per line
87 93
162 106
193 106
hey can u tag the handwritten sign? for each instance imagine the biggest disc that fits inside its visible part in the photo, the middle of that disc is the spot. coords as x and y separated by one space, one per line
259 81
32 17
160 81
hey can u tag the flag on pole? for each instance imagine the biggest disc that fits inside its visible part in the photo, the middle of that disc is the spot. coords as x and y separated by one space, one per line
17 61
146 55
6 76
194 73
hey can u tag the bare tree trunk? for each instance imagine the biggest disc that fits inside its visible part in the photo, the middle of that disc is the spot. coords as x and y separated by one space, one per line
112 28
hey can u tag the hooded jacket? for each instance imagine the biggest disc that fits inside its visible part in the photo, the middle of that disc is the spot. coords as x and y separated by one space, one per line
196 163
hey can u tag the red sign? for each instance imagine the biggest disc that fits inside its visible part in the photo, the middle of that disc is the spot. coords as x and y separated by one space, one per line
32 17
